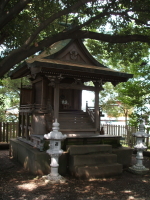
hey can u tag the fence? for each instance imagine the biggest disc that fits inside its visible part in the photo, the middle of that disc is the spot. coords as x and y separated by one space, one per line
125 132
8 130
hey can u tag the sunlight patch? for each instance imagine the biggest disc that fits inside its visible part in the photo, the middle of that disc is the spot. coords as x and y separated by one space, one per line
127 191
145 181
130 198
27 186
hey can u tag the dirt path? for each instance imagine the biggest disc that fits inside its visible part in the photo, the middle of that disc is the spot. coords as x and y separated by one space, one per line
16 183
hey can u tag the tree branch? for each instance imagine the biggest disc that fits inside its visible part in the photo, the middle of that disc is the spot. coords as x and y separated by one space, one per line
52 18
125 14
113 38
13 57
139 21
3 4
8 16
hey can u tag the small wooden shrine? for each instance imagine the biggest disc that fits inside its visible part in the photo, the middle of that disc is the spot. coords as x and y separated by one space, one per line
58 78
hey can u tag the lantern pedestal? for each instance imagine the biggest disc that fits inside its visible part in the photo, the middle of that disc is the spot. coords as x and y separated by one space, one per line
54 151
139 168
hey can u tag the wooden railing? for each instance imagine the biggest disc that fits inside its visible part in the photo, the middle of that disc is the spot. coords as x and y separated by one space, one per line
8 130
91 112
125 132
31 107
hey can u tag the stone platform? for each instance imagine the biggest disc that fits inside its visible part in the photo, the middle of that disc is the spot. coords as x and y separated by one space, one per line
39 162
33 160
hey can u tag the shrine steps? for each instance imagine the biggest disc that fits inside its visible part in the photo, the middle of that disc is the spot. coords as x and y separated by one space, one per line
93 161
73 122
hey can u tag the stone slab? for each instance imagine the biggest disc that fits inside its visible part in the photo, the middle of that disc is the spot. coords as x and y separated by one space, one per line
87 149
98 171
92 159
33 160
124 156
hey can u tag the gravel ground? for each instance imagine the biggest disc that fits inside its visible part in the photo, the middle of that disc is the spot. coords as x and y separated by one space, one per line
16 183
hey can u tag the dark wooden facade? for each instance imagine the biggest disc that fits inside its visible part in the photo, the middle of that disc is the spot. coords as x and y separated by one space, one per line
57 82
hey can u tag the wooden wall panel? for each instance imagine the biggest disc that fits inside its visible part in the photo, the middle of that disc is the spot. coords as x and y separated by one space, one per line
26 96
38 92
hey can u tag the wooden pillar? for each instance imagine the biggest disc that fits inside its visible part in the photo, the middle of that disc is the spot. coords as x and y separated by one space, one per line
19 126
27 127
22 124
56 100
97 115
86 106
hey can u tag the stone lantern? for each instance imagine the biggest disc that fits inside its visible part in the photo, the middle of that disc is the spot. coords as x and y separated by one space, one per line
55 151
138 168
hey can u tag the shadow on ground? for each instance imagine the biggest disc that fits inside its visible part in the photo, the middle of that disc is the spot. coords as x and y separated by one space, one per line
16 183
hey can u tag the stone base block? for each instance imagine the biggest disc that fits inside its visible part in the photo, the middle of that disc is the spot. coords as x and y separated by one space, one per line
87 149
91 159
124 156
98 171
35 161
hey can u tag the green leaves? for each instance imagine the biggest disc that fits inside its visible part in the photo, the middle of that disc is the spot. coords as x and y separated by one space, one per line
134 95
10 95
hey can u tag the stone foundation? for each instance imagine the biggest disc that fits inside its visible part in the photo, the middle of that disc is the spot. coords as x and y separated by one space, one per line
39 162
33 160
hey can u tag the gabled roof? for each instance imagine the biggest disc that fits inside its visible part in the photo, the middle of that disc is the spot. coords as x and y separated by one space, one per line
69 58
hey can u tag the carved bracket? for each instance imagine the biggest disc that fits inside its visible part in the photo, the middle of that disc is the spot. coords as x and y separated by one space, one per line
54 80
99 84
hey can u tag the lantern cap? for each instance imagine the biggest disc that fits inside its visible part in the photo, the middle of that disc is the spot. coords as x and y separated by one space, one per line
55 134
141 132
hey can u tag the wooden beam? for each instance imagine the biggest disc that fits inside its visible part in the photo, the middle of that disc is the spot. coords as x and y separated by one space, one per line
56 100
22 125
97 116
19 125
77 87
27 126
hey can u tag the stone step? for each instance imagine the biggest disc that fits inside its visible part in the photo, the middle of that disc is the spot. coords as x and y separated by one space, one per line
71 111
92 159
77 122
73 115
74 132
87 149
77 126
98 171
74 119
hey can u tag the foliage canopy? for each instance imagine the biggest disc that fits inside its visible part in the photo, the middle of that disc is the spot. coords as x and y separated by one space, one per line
29 26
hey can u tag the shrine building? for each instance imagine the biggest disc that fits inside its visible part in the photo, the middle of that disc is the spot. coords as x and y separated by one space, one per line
58 76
